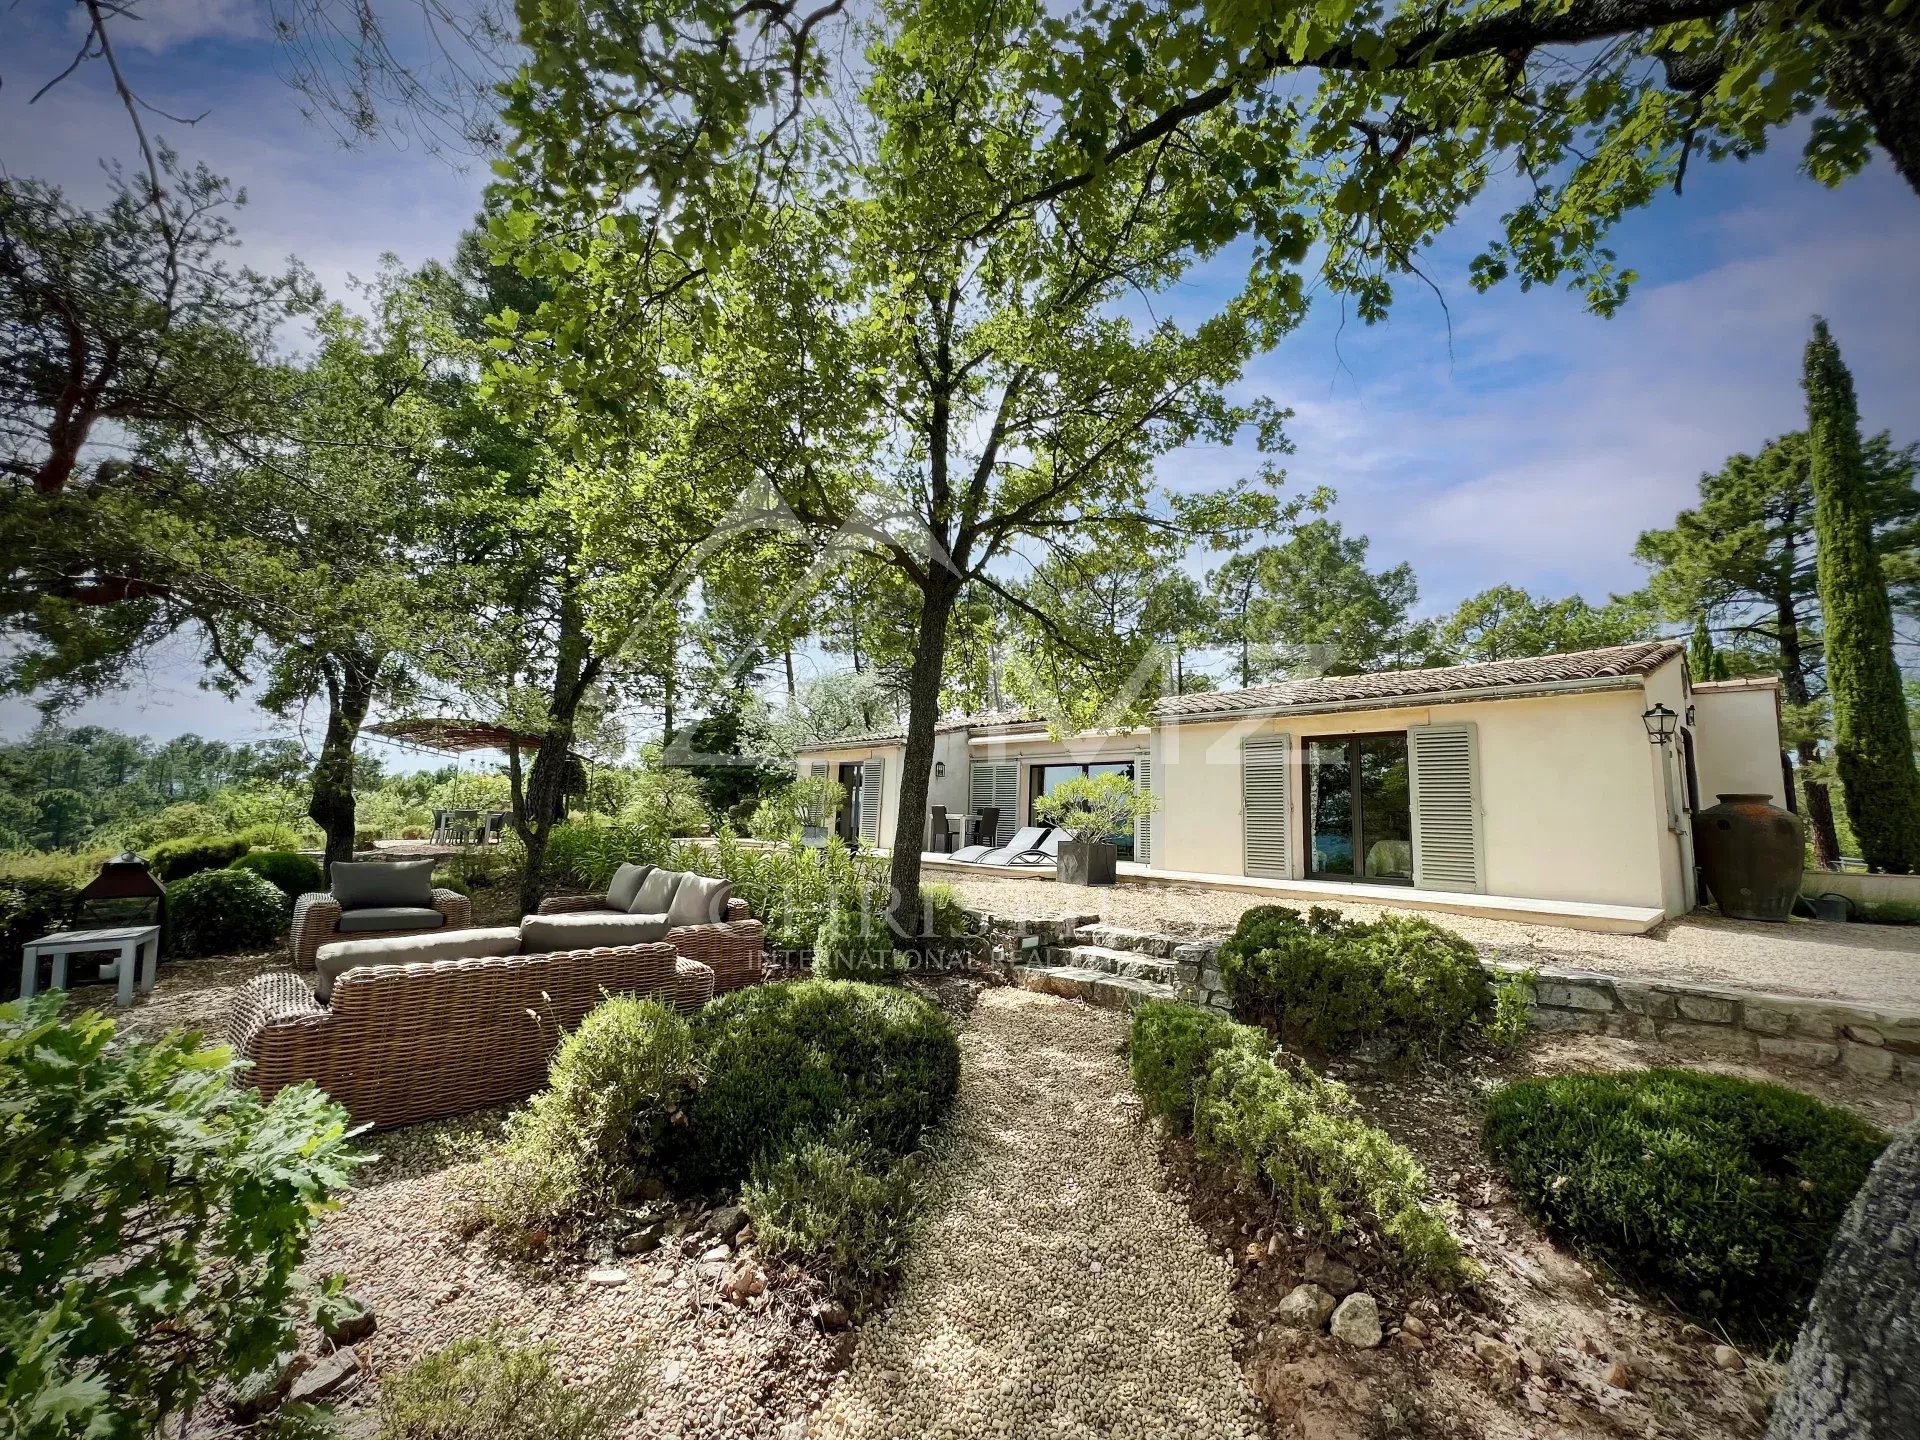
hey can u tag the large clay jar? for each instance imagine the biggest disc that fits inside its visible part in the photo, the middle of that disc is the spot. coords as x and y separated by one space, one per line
1753 854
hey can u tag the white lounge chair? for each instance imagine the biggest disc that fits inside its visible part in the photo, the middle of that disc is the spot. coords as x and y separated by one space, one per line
1026 848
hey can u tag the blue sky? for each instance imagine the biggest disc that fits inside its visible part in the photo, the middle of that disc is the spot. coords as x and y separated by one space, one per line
1530 450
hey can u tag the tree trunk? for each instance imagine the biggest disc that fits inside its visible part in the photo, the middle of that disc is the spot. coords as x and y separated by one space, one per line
1876 64
1793 679
537 801
350 682
1855 1371
790 684
916 766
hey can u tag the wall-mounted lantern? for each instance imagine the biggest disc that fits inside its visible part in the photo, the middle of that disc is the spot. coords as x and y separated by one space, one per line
1690 714
939 769
1659 722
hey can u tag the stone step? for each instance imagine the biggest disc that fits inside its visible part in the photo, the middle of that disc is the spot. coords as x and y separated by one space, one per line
1118 937
1127 963
1096 987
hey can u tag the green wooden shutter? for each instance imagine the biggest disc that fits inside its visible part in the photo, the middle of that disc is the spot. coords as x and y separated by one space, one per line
1143 827
870 792
994 782
819 768
1447 851
1265 762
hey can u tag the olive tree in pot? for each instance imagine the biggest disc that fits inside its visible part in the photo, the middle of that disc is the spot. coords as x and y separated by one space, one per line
1092 812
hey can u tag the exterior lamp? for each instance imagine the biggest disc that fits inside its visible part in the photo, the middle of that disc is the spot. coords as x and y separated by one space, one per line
939 769
1690 717
1659 722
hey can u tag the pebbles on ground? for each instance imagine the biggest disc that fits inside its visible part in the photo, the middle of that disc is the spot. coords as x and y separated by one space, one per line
1054 1293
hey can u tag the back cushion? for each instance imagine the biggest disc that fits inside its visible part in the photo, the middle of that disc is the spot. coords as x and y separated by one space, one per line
699 901
624 885
358 885
655 894
547 934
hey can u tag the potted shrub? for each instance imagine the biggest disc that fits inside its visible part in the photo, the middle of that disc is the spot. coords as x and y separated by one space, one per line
1092 811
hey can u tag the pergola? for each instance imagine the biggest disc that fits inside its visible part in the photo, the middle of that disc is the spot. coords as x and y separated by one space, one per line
453 736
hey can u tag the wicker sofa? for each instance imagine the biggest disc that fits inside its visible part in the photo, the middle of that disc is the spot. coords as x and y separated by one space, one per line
407 1042
732 943
321 917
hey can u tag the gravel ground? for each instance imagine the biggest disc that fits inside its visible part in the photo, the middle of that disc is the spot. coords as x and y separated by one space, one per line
1879 964
1056 1292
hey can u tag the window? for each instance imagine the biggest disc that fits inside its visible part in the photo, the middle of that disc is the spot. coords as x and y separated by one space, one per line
1044 779
1358 806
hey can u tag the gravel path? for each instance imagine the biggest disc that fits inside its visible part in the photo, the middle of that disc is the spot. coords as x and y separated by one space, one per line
1056 1293
1878 964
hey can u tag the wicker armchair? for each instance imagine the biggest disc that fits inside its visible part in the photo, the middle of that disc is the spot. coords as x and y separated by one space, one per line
316 922
735 948
404 1043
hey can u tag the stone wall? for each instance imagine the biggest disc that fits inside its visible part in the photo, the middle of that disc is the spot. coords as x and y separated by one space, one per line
1872 1042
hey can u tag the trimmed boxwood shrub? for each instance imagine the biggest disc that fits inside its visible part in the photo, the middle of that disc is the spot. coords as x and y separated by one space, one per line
790 1061
293 875
1396 986
1300 1134
1722 1193
191 854
1169 1048
224 912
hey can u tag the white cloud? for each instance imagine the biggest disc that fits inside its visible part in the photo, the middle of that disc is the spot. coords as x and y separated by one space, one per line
162 24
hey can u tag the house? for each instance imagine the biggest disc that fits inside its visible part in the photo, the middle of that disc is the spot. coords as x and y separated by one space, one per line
1534 781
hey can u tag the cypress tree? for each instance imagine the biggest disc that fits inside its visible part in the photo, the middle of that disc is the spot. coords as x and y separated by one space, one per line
1700 651
1873 749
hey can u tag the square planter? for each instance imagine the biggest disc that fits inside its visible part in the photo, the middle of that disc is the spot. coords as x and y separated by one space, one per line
1086 862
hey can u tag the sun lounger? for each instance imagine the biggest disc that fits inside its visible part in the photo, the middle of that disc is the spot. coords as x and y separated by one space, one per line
1020 844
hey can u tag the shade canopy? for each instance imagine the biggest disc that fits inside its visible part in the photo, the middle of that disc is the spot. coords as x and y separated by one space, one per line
455 735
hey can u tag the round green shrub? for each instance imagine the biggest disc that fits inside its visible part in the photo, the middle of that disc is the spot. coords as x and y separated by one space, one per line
849 946
790 1061
1168 1048
1399 985
224 912
176 859
293 875
1722 1193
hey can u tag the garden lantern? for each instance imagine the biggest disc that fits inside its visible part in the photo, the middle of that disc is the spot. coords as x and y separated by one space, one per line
1659 722
125 890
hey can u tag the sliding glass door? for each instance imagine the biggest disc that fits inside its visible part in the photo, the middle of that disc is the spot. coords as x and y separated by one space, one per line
1359 815
1044 778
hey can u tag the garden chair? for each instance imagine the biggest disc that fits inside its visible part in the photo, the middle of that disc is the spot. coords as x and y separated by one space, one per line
1036 845
941 831
1023 841
986 826
365 900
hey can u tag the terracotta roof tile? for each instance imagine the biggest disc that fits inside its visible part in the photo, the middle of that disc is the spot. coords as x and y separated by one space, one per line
1395 685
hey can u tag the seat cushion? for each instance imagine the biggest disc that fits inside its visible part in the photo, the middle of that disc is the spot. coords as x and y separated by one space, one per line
699 901
625 883
378 884
339 956
390 917
655 895
588 930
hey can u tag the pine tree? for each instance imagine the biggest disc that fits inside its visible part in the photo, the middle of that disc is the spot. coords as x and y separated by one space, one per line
1873 749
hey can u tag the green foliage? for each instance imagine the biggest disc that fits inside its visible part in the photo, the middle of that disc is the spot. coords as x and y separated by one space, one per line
1298 1133
612 1087
1399 985
294 875
30 906
1505 622
787 1061
1169 1048
947 914
225 912
1873 749
1094 808
1722 1193
153 1213
854 946
486 1388
189 855
1512 1008
809 800
1887 912
848 1211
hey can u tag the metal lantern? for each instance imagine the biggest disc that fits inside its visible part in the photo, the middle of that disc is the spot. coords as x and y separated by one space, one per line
1659 722
124 891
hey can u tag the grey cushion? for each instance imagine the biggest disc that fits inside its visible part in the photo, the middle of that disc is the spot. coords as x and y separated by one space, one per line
699 901
626 880
588 930
359 885
339 956
655 894
390 917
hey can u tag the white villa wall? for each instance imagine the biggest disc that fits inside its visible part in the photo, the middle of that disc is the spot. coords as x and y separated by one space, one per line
1031 745
1569 788
888 754
1737 742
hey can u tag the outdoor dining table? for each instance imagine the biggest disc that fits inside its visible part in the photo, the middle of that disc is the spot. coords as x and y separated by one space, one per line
129 940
